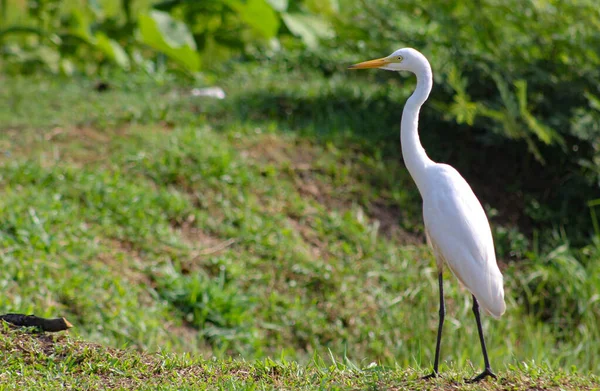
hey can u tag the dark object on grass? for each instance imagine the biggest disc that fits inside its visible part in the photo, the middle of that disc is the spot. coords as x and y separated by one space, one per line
102 86
51 325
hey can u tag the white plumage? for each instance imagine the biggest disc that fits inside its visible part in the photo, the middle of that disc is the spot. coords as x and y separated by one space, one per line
455 223
459 233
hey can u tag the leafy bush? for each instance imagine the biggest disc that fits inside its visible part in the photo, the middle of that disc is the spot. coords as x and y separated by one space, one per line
63 37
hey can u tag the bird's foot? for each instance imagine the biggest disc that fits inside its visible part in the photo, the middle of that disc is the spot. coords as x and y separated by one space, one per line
486 373
432 375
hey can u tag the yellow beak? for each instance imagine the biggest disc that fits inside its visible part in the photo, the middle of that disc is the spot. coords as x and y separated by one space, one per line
378 63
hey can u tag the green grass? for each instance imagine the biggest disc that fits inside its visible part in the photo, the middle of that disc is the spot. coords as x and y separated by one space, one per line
29 361
158 221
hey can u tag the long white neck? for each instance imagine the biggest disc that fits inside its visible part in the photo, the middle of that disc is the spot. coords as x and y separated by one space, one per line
415 158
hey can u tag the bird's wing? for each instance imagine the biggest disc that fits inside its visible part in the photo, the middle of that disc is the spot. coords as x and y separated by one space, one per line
459 232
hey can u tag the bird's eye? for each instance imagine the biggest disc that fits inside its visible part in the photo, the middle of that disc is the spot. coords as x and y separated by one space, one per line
400 58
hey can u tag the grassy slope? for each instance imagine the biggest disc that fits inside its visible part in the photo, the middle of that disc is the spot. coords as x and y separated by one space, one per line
126 212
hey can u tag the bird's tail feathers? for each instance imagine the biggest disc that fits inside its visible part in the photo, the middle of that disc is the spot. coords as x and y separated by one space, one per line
493 301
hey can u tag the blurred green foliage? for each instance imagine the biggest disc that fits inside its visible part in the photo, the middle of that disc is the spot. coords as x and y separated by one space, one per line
65 36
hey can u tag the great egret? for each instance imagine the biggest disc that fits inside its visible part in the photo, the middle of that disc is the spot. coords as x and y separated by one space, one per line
455 224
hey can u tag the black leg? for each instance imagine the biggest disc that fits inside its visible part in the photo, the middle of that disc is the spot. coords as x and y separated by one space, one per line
488 370
439 333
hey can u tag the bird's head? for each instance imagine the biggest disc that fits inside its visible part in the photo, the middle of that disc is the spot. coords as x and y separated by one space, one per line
406 59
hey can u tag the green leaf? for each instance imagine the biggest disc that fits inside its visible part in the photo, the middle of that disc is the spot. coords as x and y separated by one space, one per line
462 108
322 7
279 5
257 14
594 101
309 28
21 30
543 132
112 50
49 56
82 27
172 37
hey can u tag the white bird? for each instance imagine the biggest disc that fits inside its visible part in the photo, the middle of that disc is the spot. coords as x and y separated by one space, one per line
456 226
